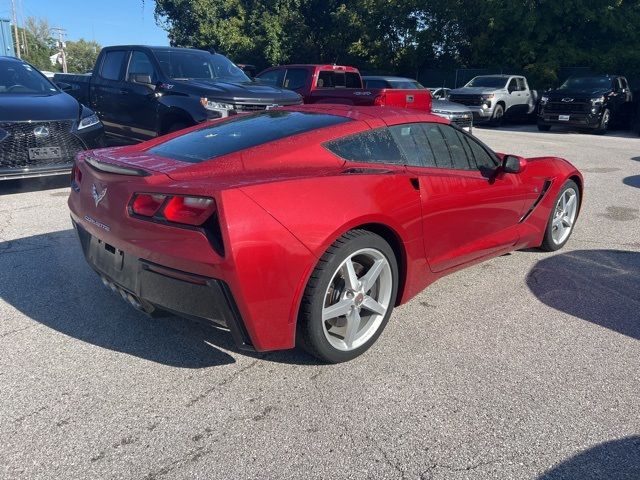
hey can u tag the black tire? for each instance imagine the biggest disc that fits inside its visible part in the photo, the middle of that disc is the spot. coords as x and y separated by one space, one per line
310 331
548 244
498 116
604 123
544 128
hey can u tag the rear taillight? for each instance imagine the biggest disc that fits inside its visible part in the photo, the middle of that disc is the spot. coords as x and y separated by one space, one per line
189 210
380 100
147 204
186 210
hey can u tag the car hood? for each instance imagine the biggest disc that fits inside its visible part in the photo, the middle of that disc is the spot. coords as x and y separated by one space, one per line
22 108
572 92
474 91
447 106
252 92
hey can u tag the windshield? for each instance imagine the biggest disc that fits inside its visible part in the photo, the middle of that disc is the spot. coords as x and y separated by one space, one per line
17 77
405 84
491 82
185 65
586 83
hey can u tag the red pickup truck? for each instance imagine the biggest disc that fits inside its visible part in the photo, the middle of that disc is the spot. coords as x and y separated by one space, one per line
340 84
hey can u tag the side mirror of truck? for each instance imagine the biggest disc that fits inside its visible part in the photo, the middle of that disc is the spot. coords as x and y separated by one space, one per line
143 78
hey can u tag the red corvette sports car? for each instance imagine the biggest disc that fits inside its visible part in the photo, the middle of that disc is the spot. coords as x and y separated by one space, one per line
307 225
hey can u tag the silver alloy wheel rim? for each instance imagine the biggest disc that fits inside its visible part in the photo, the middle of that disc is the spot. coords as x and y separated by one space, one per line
605 119
564 216
357 299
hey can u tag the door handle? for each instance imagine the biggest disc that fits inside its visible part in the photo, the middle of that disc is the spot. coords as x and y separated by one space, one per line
123 92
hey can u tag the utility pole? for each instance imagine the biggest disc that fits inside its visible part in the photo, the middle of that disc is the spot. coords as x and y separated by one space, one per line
15 27
61 32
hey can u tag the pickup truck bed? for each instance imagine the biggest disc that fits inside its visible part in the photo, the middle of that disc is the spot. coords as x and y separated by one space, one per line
341 85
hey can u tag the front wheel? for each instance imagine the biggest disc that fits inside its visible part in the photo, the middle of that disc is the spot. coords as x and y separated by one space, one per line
349 297
604 123
562 217
498 116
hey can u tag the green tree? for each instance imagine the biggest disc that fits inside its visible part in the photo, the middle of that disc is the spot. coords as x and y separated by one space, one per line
81 55
39 44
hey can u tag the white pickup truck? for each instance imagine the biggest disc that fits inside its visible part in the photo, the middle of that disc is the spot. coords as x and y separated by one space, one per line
492 97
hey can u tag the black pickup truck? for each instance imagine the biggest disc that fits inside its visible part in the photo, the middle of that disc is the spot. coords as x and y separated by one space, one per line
141 92
593 102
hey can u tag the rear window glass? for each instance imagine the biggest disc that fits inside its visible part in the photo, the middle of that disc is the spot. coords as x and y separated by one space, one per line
242 132
333 79
371 146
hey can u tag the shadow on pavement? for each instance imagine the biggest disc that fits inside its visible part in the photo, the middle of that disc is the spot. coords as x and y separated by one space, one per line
600 286
614 460
632 181
8 187
46 278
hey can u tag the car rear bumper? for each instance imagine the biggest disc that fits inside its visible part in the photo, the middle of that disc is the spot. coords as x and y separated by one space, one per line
149 286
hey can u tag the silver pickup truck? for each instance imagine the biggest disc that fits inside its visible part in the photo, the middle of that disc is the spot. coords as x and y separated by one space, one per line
491 97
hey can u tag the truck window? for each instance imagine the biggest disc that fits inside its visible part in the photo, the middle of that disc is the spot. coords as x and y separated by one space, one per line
332 79
112 65
295 78
140 64
522 86
513 85
272 77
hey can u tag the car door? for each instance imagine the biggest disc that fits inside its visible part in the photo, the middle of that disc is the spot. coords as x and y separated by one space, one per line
139 119
105 91
469 209
514 98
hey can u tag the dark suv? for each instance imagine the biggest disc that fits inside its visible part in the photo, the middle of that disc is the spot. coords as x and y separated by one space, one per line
593 102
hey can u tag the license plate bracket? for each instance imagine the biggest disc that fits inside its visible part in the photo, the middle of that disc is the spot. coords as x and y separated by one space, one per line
107 257
45 153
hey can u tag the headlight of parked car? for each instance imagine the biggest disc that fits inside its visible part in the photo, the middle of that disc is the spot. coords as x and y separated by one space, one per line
544 100
215 106
597 101
89 121
486 100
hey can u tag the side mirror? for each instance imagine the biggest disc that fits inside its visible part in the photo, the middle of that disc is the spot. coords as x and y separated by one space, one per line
65 87
513 164
142 78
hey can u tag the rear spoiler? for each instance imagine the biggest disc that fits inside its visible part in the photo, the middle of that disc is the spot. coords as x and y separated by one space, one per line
113 168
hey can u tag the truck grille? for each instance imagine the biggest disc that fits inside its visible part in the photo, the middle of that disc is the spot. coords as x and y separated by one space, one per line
576 106
471 100
17 138
249 108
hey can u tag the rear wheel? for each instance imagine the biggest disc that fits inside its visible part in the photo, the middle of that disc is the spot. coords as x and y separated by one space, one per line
562 217
349 297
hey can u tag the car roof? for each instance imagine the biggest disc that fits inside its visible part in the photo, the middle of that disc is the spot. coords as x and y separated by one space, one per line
11 59
389 115
156 48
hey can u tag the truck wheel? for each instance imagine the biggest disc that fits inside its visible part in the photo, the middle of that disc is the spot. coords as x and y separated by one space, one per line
604 123
544 128
349 297
498 116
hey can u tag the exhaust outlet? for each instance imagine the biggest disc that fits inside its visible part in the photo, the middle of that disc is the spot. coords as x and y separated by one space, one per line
135 302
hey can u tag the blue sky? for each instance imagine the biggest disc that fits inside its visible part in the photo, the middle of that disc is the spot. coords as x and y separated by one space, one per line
109 22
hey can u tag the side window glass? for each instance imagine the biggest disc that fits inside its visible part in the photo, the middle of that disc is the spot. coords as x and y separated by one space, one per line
513 85
413 143
372 146
438 145
140 64
375 84
352 80
482 158
295 78
521 84
112 64
271 78
456 149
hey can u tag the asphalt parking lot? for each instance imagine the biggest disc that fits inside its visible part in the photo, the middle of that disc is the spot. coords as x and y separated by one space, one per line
525 367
